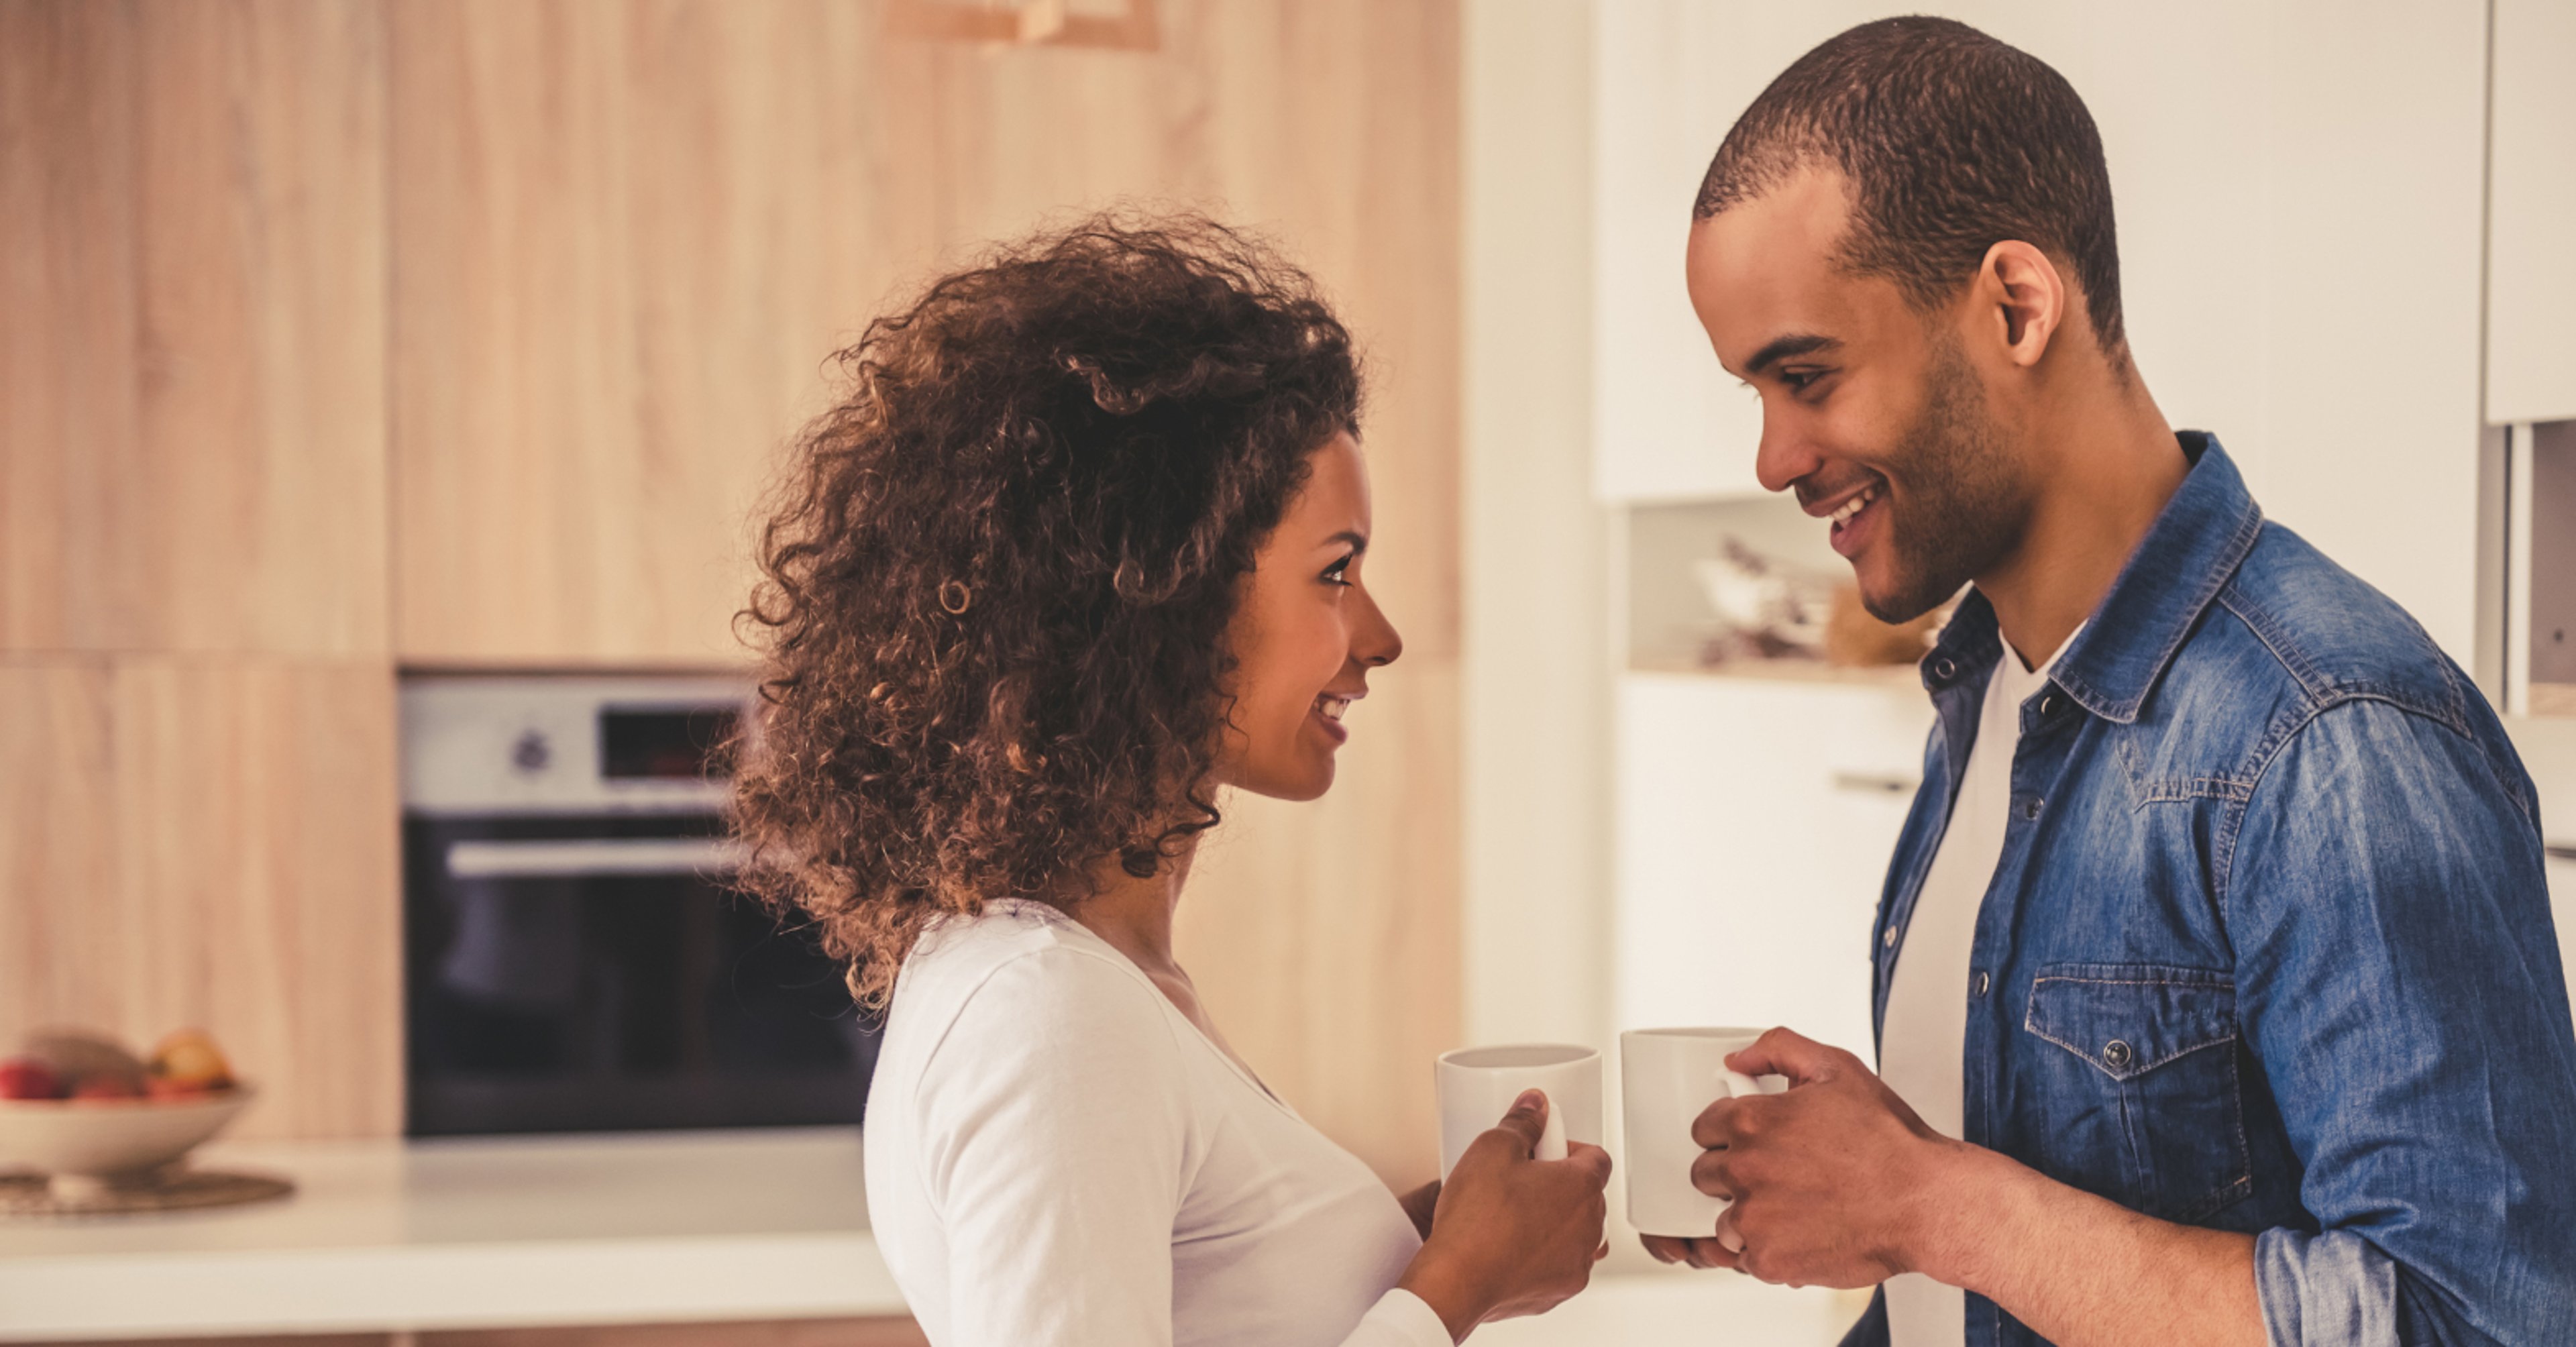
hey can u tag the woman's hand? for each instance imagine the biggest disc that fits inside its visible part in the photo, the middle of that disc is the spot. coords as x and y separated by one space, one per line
1512 1235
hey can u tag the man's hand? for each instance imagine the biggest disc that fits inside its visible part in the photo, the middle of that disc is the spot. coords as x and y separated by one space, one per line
1419 1204
1830 1180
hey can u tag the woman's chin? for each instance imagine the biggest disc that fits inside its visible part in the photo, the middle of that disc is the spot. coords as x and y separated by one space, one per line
1308 781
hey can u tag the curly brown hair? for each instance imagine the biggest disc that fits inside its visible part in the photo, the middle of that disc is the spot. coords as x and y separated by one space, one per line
999 574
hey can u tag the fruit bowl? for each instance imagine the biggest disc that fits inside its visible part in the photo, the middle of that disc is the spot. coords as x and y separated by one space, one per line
87 1143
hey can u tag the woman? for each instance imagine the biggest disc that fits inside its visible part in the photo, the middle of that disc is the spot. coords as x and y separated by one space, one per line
1084 546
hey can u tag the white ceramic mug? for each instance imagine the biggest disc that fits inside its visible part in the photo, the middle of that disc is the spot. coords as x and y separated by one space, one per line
1667 1078
1479 1085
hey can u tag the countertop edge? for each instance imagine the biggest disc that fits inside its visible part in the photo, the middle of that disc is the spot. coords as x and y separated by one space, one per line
489 1285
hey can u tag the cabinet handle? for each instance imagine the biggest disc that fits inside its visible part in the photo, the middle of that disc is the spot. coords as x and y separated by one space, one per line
1868 783
605 856
2564 851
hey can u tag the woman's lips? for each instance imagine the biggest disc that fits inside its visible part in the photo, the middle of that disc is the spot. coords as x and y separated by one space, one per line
1328 711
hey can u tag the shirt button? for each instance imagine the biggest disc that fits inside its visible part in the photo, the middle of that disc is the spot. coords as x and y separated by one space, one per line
2047 705
1889 939
2116 1054
1943 668
1981 984
2030 807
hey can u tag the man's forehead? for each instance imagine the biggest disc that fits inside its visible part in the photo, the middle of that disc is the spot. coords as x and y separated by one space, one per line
1767 267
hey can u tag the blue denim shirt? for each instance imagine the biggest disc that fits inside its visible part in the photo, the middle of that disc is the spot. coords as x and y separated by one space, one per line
2268 948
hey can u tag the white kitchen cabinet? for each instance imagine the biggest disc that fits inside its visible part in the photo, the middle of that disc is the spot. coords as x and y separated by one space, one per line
2531 215
1755 817
2299 204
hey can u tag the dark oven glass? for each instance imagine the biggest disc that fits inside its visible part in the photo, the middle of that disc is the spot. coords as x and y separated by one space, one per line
568 996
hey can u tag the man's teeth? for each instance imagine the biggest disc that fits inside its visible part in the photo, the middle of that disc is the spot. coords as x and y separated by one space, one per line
1855 505
1332 707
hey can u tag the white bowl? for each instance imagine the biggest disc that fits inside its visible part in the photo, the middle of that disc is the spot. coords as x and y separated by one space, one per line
105 1138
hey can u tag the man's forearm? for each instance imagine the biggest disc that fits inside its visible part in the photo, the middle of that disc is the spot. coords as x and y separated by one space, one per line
2080 1270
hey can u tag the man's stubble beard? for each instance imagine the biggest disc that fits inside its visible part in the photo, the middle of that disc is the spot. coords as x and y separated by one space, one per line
1965 505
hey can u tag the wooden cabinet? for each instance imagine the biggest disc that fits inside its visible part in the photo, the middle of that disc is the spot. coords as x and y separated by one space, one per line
186 844
192 328
626 238
2531 214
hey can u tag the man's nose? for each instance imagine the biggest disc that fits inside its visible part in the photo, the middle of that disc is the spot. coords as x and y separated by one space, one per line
1782 458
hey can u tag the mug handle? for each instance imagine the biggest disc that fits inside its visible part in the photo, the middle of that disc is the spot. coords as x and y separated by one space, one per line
1551 1138
1738 1085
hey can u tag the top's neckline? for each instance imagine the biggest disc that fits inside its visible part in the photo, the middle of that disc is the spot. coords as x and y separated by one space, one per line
1062 918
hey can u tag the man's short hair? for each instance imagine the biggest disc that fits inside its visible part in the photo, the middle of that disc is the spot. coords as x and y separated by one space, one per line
1951 142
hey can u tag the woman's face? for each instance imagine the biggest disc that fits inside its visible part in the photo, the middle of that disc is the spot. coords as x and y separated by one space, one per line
1306 635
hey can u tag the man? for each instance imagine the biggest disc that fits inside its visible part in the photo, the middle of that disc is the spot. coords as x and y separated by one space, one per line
2216 989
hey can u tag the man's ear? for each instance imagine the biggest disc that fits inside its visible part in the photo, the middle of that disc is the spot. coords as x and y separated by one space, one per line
2024 291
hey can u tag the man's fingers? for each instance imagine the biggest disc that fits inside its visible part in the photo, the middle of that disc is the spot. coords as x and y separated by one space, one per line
1526 1121
1729 1238
1711 1255
1708 1174
1664 1248
1591 1160
1698 1253
1782 1052
1715 1125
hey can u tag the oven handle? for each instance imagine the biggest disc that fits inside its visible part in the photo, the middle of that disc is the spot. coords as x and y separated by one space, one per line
598 856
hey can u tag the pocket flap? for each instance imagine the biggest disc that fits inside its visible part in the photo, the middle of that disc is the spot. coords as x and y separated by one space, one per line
2128 1019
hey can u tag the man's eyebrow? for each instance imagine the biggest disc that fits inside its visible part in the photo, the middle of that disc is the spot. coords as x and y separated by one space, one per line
1781 348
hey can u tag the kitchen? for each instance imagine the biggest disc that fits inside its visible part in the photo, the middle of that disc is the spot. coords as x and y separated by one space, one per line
356 350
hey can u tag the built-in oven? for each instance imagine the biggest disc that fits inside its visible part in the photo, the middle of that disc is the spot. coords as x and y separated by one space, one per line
574 957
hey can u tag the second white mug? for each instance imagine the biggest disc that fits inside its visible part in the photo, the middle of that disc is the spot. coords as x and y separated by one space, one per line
1667 1078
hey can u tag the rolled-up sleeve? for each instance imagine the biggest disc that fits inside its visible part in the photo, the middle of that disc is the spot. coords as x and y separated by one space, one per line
2398 978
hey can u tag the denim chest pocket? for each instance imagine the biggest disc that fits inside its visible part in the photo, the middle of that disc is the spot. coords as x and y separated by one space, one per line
2140 1085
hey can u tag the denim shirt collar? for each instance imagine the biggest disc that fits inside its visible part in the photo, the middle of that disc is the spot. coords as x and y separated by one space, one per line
2186 558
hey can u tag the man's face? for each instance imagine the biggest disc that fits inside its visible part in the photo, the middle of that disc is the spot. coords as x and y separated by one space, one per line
1874 413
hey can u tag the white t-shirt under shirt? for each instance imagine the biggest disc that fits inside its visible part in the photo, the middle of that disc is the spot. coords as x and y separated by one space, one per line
1924 1038
1057 1157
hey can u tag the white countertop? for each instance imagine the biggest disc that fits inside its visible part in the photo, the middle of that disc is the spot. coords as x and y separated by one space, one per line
471 1233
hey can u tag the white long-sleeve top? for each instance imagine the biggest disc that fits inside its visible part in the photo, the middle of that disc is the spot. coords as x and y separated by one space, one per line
1057 1157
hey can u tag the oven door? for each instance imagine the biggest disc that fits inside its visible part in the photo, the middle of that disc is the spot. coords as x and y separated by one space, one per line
595 973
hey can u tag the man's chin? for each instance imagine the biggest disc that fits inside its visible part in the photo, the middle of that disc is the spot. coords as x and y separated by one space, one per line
1902 599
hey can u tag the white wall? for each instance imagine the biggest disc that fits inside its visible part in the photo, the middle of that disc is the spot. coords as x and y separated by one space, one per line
1535 618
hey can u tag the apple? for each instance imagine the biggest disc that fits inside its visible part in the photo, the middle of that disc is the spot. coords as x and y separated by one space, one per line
163 1088
27 1078
97 1088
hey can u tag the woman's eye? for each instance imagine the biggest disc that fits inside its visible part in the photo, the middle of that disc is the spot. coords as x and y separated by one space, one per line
1335 573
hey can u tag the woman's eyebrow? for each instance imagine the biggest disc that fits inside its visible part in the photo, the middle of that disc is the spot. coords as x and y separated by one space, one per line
1358 541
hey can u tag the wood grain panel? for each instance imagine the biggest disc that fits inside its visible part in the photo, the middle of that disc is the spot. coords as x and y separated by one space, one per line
210 844
626 238
191 201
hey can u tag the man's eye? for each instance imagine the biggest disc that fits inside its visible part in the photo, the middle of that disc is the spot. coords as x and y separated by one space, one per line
1799 379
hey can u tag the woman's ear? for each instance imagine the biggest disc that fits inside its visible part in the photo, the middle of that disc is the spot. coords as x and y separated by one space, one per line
2027 296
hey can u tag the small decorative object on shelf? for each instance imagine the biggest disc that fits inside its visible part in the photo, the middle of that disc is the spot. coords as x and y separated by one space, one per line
1771 610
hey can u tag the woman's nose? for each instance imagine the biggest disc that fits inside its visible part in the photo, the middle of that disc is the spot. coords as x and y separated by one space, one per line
1377 642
